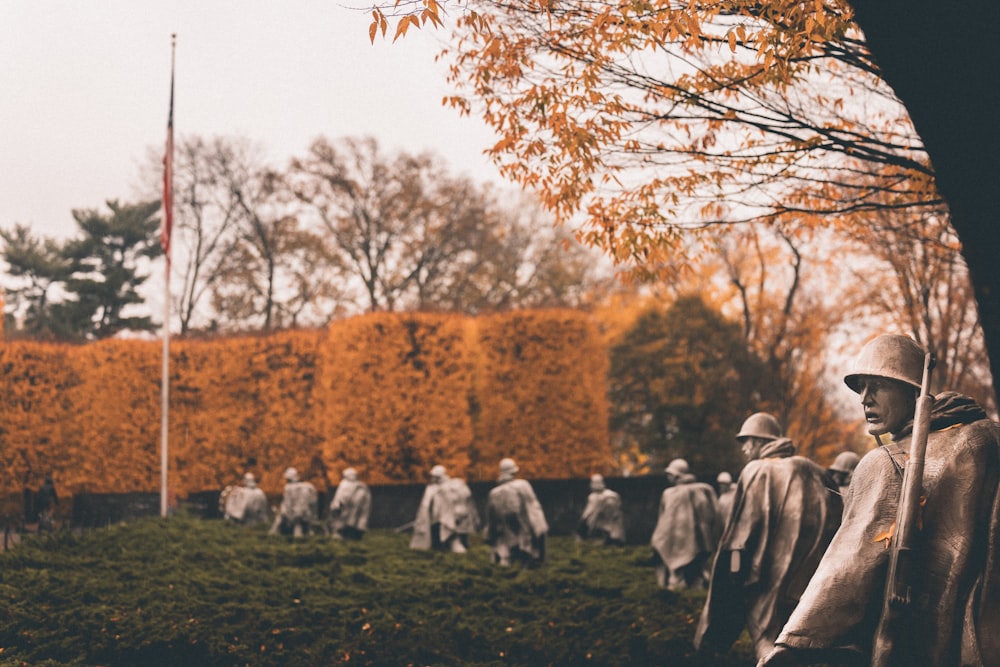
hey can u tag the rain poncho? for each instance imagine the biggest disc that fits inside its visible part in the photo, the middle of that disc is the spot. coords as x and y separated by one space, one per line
785 512
603 517
246 504
687 529
298 511
957 569
350 508
446 510
515 522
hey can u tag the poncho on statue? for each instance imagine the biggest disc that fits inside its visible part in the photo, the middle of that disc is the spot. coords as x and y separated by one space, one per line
784 514
446 511
350 509
602 517
687 529
515 522
957 582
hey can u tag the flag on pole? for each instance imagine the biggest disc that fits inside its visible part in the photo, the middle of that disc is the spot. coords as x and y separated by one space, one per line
165 233
168 177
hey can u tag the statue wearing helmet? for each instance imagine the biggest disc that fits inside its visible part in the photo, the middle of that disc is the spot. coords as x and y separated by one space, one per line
246 504
350 508
842 468
784 513
687 530
602 518
515 522
952 617
299 506
446 515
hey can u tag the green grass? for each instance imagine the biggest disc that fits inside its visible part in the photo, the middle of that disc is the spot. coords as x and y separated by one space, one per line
185 591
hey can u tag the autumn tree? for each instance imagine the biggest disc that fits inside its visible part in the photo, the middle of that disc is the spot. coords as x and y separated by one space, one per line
205 214
943 88
243 259
681 382
414 237
929 296
522 260
265 274
655 121
777 285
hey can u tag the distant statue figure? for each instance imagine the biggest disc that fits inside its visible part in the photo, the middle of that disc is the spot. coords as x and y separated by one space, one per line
299 505
46 500
515 522
350 508
842 469
784 514
687 530
602 518
245 504
446 516
726 490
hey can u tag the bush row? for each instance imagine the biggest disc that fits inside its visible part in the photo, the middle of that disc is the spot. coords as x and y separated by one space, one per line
389 394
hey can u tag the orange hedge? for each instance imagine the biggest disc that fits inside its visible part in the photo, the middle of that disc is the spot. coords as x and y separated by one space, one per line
542 395
390 394
396 396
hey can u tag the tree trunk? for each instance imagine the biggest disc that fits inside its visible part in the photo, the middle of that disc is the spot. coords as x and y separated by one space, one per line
942 61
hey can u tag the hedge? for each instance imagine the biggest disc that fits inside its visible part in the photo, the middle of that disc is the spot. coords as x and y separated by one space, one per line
390 394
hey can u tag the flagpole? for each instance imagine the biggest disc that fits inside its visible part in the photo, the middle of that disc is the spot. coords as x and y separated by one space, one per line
168 218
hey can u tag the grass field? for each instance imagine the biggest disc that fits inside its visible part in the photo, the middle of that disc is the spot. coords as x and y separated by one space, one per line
186 591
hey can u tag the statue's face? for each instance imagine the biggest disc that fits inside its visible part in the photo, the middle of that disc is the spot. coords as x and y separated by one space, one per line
888 404
751 446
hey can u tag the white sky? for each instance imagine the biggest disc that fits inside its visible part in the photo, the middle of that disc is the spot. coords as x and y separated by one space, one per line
84 92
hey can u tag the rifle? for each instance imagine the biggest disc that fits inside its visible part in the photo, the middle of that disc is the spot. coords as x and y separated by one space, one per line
894 636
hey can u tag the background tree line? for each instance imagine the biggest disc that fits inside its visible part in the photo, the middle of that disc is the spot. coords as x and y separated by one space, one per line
344 229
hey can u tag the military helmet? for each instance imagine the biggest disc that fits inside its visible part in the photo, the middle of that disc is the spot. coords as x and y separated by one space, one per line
677 467
760 425
438 471
350 474
888 356
291 474
845 462
507 466
724 478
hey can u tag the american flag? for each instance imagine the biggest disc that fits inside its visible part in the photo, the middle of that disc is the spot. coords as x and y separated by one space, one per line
168 176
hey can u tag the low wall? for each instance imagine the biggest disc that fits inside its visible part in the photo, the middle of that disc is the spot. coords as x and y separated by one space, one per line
394 506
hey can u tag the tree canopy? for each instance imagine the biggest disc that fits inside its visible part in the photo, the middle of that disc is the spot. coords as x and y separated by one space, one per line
84 287
652 124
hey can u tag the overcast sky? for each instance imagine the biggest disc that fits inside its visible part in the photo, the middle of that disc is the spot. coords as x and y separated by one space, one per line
84 92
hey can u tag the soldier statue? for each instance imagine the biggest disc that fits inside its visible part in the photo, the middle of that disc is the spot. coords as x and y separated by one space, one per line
784 513
951 610
246 504
842 468
602 517
350 508
515 522
687 530
446 516
299 505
